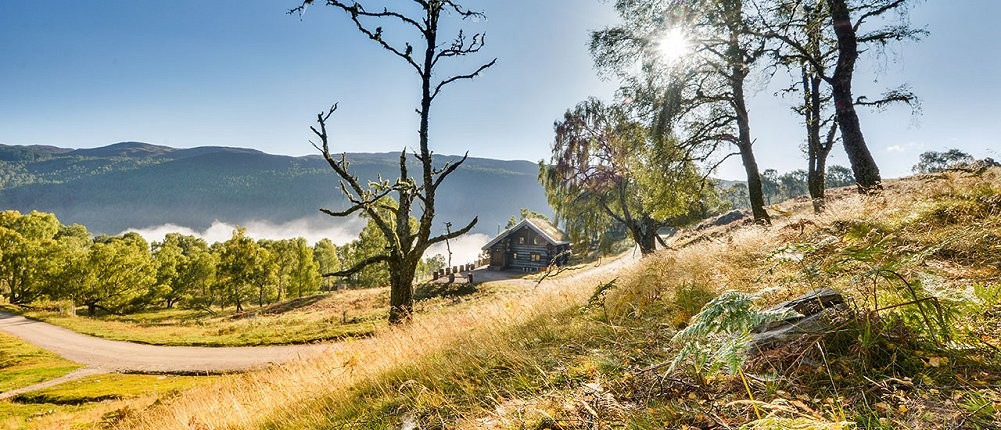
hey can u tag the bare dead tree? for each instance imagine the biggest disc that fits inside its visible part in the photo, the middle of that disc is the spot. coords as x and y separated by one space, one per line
407 242
448 245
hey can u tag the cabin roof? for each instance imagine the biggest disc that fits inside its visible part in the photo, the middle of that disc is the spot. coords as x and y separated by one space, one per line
544 228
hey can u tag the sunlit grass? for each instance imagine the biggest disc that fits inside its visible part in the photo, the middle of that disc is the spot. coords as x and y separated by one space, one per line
22 364
534 358
98 401
342 314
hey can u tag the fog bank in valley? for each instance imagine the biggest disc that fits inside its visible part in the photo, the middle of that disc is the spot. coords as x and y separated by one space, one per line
465 249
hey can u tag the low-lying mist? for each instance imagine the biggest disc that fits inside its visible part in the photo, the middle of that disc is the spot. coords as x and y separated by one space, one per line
465 249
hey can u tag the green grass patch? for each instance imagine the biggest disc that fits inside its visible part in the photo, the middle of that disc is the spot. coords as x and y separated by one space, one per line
112 386
22 364
100 401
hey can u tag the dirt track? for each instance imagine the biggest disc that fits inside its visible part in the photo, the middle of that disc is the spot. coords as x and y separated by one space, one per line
115 356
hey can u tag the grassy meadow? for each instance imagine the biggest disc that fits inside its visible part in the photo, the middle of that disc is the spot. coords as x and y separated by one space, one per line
97 401
584 352
355 313
918 346
22 364
324 317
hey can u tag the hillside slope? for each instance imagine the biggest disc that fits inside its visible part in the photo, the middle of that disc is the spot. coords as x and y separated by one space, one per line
133 184
917 347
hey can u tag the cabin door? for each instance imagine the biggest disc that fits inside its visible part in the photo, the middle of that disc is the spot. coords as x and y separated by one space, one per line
497 259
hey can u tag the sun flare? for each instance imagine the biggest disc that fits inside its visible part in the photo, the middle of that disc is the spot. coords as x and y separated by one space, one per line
672 45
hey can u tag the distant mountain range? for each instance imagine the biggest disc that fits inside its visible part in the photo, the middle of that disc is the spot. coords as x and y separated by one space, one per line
134 184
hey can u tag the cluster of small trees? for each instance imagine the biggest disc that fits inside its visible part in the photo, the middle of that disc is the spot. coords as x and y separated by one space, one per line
934 162
644 162
40 258
777 188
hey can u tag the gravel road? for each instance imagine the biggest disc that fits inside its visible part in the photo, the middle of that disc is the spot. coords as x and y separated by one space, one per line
116 356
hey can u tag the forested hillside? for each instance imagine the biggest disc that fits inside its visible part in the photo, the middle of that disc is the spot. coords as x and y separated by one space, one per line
132 184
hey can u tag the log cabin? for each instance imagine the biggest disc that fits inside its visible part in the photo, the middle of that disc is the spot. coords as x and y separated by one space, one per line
529 246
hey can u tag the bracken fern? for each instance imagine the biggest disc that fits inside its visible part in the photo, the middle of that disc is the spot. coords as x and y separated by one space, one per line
717 336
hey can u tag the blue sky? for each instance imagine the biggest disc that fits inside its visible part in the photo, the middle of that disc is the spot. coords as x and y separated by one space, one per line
242 73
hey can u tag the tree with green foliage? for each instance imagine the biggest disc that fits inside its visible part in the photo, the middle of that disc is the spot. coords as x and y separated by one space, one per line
736 195
770 185
934 162
794 184
603 161
432 264
119 274
370 243
186 268
26 262
283 258
245 268
839 176
169 257
297 273
524 214
304 274
405 245
327 260
700 99
72 252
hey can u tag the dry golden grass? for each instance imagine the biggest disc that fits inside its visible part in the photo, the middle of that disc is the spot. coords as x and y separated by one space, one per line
486 365
257 399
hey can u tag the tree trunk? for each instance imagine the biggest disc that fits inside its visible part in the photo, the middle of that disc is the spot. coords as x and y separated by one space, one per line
815 182
91 309
401 292
744 145
816 151
863 165
644 233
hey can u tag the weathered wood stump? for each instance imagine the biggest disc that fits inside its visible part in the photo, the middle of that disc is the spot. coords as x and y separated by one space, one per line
817 311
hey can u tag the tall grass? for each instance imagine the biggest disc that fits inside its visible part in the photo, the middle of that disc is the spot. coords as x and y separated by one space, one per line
309 393
531 359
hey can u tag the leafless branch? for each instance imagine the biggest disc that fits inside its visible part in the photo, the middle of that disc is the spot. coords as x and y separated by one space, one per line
454 234
476 73
357 11
448 168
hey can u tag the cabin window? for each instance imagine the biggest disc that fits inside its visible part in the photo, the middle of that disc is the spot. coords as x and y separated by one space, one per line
536 257
515 256
521 240
537 240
